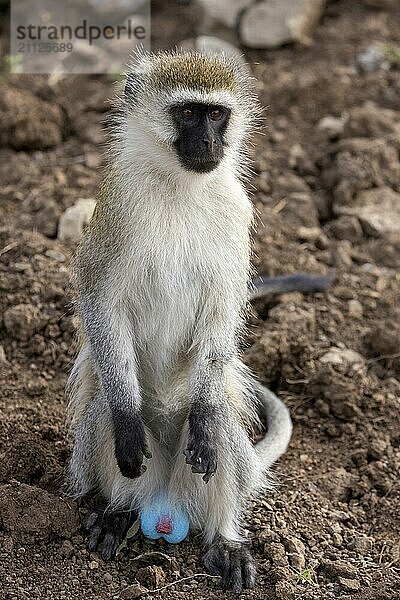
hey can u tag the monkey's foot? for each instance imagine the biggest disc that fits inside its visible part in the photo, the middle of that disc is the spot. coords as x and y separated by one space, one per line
107 530
234 563
130 445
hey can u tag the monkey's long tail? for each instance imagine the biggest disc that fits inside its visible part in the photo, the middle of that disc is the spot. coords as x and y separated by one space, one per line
280 427
299 282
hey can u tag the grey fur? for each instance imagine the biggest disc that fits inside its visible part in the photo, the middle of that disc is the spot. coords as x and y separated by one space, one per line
161 278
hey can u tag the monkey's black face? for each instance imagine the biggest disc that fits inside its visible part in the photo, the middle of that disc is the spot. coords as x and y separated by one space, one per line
200 127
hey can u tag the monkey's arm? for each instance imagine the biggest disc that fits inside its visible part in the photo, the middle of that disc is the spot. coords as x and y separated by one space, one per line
214 348
107 327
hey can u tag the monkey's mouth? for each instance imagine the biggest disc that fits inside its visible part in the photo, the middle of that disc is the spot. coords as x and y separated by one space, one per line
199 164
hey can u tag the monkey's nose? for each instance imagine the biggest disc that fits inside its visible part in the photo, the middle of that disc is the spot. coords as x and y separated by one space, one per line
209 143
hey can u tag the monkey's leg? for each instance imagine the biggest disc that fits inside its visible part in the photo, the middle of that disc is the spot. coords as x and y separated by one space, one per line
94 467
217 508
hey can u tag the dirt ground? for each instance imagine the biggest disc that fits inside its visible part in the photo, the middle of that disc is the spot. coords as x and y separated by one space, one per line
331 529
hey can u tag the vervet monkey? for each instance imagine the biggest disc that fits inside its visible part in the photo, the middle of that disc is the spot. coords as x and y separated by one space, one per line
161 405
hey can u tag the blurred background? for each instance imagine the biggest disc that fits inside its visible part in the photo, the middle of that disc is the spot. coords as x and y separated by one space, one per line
326 188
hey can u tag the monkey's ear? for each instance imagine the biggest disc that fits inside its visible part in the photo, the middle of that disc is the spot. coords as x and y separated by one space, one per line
133 84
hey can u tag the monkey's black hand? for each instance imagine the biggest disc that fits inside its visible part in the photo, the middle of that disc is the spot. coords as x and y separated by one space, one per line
130 444
200 451
233 562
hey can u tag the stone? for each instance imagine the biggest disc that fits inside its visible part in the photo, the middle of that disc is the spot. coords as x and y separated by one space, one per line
3 357
133 591
340 568
342 356
295 549
271 23
67 549
22 321
355 309
55 255
378 210
224 12
212 43
73 221
370 60
351 585
152 576
332 126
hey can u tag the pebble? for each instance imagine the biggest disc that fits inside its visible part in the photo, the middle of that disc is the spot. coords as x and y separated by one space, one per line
133 591
355 309
340 568
351 585
370 60
55 255
332 126
67 549
3 357
73 221
271 23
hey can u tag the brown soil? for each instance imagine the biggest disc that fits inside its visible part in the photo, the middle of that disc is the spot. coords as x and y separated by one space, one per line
331 530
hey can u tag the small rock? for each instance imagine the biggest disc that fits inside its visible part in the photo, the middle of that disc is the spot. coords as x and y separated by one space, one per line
22 321
341 356
73 221
93 565
378 210
55 255
3 357
107 578
133 591
339 568
152 576
355 309
92 160
351 585
296 550
210 43
362 544
372 121
370 60
332 126
67 549
271 23
224 12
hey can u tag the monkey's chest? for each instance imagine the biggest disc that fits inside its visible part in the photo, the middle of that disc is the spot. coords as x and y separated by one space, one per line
164 303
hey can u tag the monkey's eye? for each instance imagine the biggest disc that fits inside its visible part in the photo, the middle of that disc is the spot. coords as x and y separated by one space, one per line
216 114
187 113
